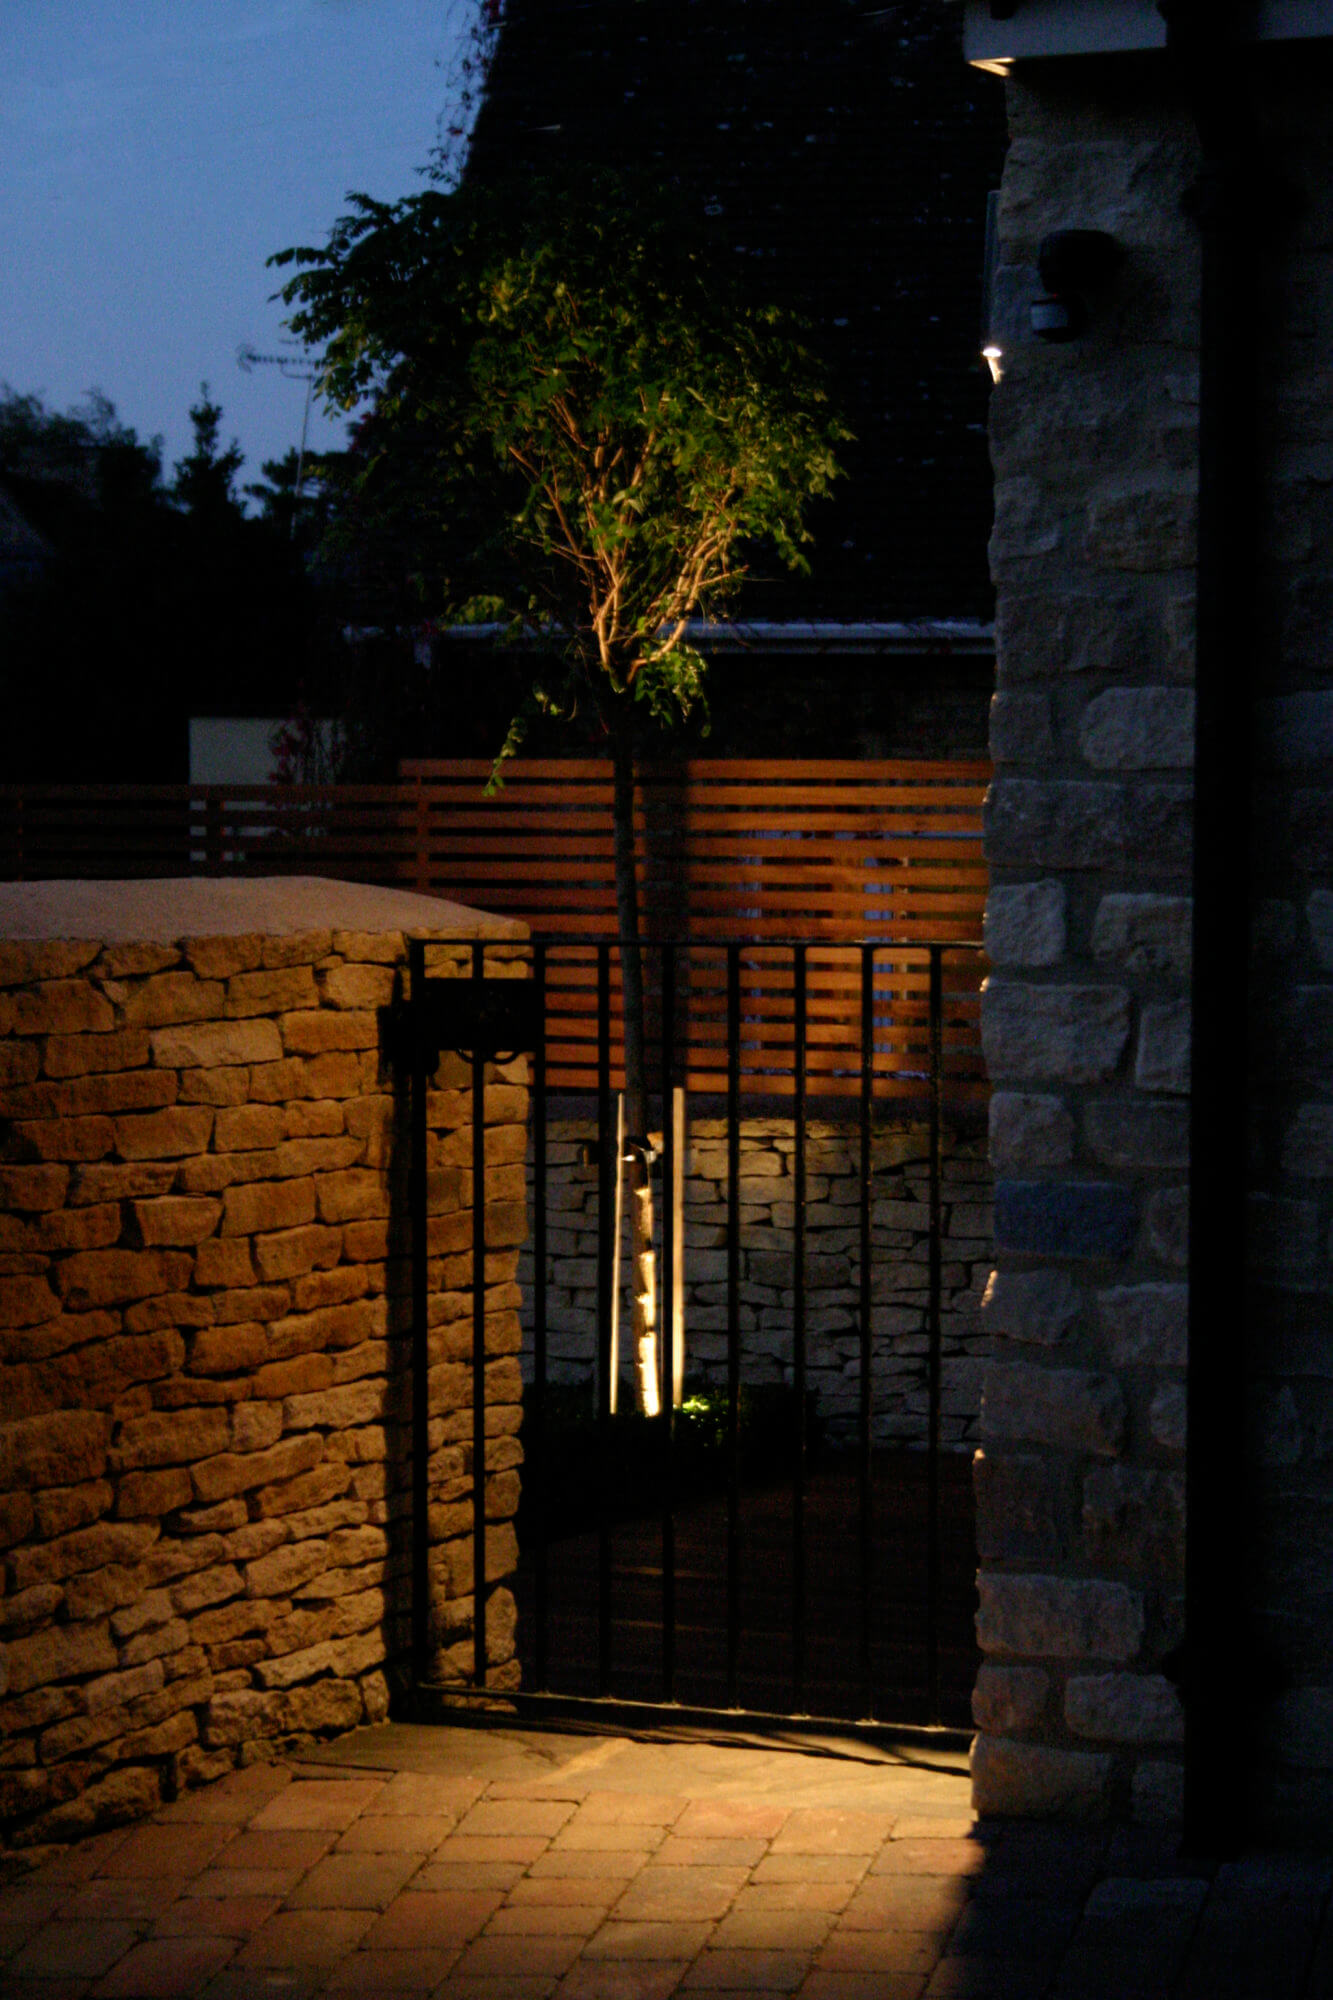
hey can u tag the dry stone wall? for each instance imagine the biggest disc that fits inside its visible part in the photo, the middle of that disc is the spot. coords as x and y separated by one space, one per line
900 1237
204 1356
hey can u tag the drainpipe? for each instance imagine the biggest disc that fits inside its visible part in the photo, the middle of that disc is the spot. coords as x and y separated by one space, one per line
1204 37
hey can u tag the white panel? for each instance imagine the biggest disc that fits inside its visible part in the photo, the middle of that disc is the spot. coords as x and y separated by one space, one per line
231 749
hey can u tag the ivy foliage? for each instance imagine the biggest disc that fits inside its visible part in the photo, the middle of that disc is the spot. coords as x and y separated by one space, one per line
573 423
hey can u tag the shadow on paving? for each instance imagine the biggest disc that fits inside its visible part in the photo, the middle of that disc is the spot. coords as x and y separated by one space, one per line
514 1864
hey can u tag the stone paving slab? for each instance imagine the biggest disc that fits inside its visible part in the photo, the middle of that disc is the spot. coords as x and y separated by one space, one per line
498 1864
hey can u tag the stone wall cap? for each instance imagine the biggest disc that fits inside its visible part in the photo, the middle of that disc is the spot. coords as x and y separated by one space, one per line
170 911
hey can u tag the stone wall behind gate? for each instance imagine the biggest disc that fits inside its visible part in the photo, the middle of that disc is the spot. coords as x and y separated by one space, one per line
900 1239
204 1351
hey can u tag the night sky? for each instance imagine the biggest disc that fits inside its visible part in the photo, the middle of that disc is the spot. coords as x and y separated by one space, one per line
153 153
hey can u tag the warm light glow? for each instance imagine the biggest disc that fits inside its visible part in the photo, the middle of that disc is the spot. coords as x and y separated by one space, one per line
994 359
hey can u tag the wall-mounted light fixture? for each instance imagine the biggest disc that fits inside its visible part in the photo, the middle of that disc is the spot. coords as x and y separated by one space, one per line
991 351
1072 263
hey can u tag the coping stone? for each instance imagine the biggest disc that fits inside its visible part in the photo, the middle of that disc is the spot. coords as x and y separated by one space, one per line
198 906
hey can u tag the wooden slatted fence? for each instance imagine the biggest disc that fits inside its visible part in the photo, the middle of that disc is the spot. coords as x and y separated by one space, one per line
831 851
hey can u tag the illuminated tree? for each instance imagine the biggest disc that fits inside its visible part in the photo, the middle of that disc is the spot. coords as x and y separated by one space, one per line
577 426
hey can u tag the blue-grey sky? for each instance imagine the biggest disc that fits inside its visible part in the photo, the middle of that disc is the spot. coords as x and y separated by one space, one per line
154 152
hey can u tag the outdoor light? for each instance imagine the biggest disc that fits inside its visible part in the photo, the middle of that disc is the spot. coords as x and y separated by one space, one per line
1071 262
994 360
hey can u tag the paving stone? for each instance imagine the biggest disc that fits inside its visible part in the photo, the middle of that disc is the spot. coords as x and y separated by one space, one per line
395 1833
925 1826
354 1882
521 1848
648 1981
318 1803
216 1916
911 1902
748 1972
514 1958
29 1903
835 1869
371 1972
811 1831
257 1982
1004 1978
64 1950
679 1851
632 1808
642 1939
130 1896
567 1891
416 1792
547 1920
930 1857
524 1817
660 1894
167 1850
425 1917
306 1938
603 1837
222 1884
230 1800
720 1819
591 1863
276 1847
503 1986
447 1875
880 1951
166 1968
18 1987
863 1986
795 1931
795 1894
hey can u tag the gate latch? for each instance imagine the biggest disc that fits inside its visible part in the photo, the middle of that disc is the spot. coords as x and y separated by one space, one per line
487 1020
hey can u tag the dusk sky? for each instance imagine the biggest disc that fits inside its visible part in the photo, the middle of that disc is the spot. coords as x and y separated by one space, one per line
153 153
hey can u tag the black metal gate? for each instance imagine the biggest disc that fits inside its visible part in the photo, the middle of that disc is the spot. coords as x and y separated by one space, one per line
657 1580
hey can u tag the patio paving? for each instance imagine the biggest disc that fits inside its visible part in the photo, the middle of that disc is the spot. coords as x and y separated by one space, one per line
513 1864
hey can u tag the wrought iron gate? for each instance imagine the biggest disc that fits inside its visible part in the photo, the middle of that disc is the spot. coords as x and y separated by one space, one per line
791 1023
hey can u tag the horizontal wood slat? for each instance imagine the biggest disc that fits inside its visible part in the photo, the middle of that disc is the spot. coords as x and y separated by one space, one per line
829 850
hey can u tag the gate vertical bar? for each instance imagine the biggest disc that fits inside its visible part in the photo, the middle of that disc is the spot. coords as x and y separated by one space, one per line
479 1650
606 1171
934 1332
865 1479
536 1473
416 1204
798 1609
733 1321
667 1321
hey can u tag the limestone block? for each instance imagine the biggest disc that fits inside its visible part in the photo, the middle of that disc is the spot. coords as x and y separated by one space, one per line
213 1044
1020 727
1056 1034
1038 1306
1162 1060
1307 1148
245 1128
55 1449
176 1219
1308 1049
1025 923
26 1301
1053 823
230 1472
172 997
143 1495
359 986
1319 917
1124 1708
1030 1780
60 1007
1144 934
1158 1793
1007 1699
1028 1131
1064 1218
293 1252
32 1190
1144 1324
1150 530
267 1205
165 1135
1058 1617
57 1654
1125 1133
1166 1416
1139 729
1134 1518
1020 1509
93 1278
224 1261
1282 1239
1026 525
270 992
1071 1408
1043 635
326 1029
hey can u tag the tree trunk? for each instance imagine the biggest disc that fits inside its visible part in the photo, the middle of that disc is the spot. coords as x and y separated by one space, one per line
643 1269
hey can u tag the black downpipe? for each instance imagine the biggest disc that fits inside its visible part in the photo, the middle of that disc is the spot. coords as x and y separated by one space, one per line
1203 37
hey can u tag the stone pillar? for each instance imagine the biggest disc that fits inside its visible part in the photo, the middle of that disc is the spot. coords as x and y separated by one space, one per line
1080 1479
